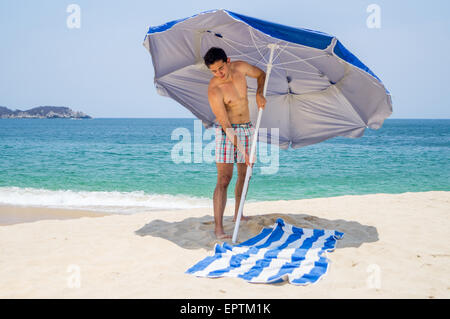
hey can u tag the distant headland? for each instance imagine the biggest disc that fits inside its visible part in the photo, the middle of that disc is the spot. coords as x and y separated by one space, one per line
43 112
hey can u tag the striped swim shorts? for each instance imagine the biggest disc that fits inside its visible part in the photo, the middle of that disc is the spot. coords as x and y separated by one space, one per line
226 152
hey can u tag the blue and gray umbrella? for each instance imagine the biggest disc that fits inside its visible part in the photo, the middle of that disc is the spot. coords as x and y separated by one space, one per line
315 88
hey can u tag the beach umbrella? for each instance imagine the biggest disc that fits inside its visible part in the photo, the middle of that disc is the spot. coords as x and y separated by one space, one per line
315 88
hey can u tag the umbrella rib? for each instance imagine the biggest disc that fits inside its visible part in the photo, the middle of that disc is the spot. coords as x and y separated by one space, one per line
262 56
303 60
254 43
278 71
238 55
259 61
243 54
243 45
279 52
300 46
287 69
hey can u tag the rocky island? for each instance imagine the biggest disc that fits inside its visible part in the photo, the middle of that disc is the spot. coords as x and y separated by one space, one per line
43 112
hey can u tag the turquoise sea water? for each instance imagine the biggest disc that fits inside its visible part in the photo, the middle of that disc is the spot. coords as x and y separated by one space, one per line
125 165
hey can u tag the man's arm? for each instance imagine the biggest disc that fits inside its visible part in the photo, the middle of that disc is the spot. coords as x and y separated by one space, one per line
215 98
260 76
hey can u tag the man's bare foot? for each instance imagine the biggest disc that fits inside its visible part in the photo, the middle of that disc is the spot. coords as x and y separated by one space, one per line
222 236
244 218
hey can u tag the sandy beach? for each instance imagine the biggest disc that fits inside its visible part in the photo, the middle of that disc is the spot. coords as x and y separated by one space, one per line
10 215
395 246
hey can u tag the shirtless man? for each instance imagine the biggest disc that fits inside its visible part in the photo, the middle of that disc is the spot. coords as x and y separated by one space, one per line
227 95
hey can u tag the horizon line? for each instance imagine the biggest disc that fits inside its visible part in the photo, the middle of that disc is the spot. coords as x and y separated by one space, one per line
194 118
393 118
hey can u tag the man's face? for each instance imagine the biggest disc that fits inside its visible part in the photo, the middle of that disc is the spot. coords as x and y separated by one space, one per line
220 69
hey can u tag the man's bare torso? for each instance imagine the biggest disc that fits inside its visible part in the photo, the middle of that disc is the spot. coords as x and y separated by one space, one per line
234 93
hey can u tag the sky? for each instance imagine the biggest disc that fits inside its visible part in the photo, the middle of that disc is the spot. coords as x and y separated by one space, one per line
102 68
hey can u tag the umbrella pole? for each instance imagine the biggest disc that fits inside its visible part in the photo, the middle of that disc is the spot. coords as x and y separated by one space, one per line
248 174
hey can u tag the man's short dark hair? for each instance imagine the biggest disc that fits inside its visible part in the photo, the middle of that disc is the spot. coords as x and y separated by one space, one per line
213 55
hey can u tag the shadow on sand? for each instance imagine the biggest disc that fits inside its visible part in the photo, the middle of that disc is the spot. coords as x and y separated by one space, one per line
198 232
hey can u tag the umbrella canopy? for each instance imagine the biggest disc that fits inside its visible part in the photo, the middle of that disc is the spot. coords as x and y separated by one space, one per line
317 89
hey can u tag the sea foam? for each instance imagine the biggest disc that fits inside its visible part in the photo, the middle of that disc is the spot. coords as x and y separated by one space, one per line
113 202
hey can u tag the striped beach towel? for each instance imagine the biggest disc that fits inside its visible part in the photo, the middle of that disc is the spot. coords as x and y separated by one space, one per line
274 255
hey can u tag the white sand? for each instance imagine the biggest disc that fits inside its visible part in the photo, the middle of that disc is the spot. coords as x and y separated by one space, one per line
395 246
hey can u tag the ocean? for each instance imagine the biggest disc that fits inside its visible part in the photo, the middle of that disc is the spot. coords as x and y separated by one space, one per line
132 165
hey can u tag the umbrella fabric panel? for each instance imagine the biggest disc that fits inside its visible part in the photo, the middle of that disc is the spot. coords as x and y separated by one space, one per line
179 45
276 118
318 116
190 87
347 56
367 96
171 51
307 119
322 64
294 70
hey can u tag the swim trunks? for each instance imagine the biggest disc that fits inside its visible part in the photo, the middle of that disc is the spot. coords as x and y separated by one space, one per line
226 152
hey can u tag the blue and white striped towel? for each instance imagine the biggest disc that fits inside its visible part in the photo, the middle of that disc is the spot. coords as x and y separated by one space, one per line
280 252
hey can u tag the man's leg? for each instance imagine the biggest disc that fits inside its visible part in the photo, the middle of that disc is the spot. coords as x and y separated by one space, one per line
245 135
224 175
242 170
